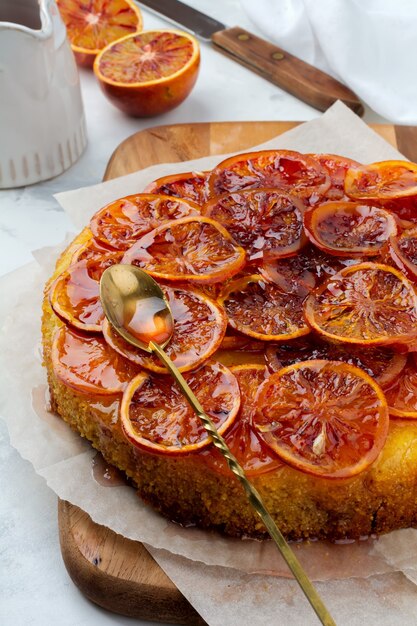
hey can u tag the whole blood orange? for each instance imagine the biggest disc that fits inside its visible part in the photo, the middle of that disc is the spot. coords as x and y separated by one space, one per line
122 222
258 308
189 185
242 438
349 228
382 181
323 417
199 327
265 222
148 73
93 24
156 417
195 249
87 364
366 304
285 170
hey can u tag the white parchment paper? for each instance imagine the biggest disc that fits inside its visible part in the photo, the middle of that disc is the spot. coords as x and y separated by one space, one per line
65 460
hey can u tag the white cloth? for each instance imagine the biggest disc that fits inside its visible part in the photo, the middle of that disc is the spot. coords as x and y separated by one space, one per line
370 45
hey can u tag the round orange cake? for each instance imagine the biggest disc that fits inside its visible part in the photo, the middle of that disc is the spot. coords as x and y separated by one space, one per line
292 283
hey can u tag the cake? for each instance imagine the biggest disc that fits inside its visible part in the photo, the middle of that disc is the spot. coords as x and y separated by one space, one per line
284 272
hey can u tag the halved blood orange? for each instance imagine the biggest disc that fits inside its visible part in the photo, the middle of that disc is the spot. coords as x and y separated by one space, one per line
325 418
148 73
258 308
402 394
122 222
87 364
403 251
156 417
349 228
189 185
199 327
265 222
93 24
75 294
337 166
243 440
383 364
285 170
195 249
366 304
382 181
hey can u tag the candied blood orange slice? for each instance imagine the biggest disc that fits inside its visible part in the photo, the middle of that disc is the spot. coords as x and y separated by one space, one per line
93 24
337 166
199 327
87 364
403 251
366 304
189 185
258 308
300 274
349 228
281 169
323 417
156 417
242 439
381 363
381 181
265 222
75 294
148 73
402 394
405 209
195 249
92 250
122 222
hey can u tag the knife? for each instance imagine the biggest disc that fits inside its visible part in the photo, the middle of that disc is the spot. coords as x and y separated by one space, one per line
305 82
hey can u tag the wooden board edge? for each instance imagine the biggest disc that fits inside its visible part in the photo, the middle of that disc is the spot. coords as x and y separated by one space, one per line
119 595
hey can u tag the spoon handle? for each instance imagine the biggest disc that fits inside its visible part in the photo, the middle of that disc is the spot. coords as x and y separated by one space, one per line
252 493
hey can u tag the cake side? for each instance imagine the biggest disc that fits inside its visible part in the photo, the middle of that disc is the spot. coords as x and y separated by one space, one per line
187 490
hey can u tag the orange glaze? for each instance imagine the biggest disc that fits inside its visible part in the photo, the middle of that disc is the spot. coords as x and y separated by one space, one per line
244 442
88 365
148 320
337 166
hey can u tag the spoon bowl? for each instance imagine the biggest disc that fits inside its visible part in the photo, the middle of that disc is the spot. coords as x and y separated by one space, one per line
135 306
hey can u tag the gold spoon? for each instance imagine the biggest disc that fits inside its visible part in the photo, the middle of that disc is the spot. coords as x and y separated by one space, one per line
137 309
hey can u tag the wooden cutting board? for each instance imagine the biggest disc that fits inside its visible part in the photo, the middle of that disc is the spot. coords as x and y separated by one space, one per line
114 572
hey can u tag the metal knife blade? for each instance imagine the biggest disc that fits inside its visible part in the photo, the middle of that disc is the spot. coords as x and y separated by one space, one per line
316 88
185 16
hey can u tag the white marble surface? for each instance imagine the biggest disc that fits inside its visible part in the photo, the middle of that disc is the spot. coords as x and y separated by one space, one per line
34 586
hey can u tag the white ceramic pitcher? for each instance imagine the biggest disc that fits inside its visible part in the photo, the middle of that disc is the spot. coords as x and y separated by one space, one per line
42 125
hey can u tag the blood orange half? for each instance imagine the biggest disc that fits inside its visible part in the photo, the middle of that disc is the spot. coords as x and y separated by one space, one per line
93 24
148 73
323 417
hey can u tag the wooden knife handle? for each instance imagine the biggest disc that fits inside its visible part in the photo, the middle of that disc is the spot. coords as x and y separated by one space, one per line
285 70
